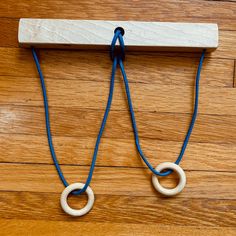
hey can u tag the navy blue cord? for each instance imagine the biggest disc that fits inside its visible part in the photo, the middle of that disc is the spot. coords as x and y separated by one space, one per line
116 58
117 36
194 116
49 135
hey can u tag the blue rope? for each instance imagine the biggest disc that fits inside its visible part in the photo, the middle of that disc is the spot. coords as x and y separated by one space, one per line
117 58
49 135
194 116
117 36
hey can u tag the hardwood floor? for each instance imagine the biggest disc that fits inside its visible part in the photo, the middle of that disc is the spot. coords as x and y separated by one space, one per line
162 86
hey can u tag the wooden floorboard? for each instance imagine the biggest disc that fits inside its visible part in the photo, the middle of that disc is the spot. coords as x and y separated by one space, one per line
162 87
85 122
164 10
125 181
122 209
42 227
96 66
148 97
116 152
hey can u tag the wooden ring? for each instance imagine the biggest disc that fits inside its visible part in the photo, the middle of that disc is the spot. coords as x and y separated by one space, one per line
71 211
178 170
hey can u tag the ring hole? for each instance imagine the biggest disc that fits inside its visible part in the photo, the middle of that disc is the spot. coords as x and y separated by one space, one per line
120 29
77 201
170 181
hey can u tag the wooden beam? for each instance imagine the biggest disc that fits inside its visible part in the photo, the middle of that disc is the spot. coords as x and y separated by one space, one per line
94 34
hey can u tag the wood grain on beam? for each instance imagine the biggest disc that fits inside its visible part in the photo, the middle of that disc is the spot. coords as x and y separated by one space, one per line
97 34
30 188
9 29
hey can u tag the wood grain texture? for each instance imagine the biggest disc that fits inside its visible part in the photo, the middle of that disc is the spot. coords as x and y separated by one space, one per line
74 65
151 10
42 227
226 39
148 97
97 34
78 151
125 181
80 123
162 87
116 209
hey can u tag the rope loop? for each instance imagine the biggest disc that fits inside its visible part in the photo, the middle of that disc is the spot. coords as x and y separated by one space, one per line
102 127
117 56
134 125
118 52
